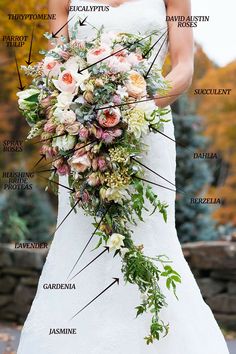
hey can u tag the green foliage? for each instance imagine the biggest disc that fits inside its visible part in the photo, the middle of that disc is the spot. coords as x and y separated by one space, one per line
143 271
26 216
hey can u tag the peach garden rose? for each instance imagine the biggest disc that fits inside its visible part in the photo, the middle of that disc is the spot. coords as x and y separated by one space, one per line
136 85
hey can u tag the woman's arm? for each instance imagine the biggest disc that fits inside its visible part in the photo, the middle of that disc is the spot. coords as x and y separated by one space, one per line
60 8
181 52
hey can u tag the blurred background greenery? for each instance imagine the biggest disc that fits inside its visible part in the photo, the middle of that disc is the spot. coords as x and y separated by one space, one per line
202 123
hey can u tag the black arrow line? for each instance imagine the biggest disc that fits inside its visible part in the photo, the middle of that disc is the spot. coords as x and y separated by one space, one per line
161 186
54 35
140 101
67 215
58 184
156 56
43 156
153 46
69 153
82 23
21 87
90 239
52 137
30 51
148 168
155 184
116 280
157 174
118 51
100 254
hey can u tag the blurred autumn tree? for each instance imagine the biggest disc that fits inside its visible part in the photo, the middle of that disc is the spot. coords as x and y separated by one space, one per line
13 125
220 113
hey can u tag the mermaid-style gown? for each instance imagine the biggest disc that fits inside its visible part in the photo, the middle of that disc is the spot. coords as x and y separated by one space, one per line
108 325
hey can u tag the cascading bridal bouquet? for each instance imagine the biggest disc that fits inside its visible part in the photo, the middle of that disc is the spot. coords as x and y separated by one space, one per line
91 105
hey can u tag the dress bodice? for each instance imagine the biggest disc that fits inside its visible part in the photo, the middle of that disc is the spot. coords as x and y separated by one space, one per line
133 16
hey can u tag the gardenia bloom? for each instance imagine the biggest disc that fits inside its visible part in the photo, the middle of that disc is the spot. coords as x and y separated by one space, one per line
117 194
115 242
26 94
64 143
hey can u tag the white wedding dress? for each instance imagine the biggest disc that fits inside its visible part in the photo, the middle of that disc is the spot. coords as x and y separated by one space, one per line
108 325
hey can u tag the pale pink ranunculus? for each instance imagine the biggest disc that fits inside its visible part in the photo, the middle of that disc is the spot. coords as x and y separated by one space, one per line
58 163
83 133
107 137
116 99
99 53
63 170
93 179
119 64
51 67
117 133
68 117
49 127
85 196
136 85
78 44
97 132
95 164
80 149
80 163
48 151
46 102
65 55
73 129
102 164
60 129
66 82
109 117
134 58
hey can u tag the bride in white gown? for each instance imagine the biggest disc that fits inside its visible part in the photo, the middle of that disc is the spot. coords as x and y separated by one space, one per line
108 325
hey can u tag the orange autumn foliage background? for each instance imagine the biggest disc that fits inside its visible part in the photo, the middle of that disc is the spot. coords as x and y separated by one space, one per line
218 112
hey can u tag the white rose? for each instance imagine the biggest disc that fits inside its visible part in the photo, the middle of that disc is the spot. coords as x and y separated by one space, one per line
64 143
115 242
68 117
64 100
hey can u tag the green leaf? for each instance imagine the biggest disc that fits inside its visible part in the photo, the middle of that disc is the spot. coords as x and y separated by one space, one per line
33 98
